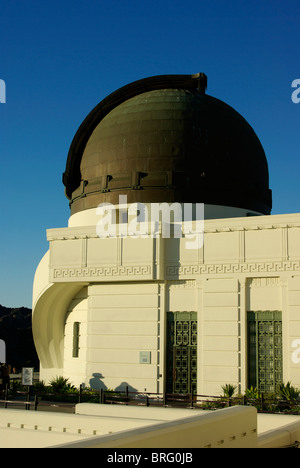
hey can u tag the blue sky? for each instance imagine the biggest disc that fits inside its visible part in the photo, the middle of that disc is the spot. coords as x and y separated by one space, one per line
59 59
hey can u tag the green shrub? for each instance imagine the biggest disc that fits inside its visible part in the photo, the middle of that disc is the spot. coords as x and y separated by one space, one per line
252 393
229 390
62 385
39 387
288 392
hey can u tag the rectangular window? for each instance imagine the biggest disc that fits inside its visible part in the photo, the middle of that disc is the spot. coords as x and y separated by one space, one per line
76 335
265 350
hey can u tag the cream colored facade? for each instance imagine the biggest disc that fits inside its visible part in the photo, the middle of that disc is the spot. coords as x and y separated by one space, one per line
119 292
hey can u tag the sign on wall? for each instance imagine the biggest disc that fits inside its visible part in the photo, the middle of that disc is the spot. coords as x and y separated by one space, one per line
27 376
145 357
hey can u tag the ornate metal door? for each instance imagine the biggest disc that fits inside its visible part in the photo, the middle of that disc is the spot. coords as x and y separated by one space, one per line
182 352
265 350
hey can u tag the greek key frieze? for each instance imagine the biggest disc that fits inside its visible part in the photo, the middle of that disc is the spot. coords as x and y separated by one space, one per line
223 268
101 272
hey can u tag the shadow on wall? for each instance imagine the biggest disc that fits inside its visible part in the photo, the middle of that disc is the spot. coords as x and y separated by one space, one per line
97 384
122 388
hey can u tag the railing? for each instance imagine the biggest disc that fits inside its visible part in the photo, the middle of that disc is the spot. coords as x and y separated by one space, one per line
262 404
126 397
7 399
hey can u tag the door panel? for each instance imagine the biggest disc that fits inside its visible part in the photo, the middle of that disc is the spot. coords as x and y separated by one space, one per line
182 352
265 353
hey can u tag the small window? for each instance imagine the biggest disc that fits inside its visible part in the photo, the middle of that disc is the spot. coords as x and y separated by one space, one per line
76 334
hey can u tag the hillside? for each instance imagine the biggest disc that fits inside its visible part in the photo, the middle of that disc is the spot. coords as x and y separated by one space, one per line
16 331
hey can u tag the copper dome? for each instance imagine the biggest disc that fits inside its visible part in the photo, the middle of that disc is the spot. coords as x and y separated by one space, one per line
162 139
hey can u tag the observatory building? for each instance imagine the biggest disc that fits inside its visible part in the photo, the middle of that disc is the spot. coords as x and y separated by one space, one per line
171 275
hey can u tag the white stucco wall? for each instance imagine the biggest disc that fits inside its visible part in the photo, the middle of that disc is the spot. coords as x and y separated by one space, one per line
130 284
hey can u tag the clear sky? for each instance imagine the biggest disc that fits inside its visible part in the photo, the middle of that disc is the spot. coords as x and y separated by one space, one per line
60 58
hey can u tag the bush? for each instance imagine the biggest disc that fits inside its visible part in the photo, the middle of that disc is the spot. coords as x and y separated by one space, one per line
229 390
288 392
15 386
39 387
62 385
252 393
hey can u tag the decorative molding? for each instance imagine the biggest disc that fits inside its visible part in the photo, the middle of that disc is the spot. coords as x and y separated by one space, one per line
188 284
224 268
242 246
256 223
263 282
285 244
100 273
172 271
